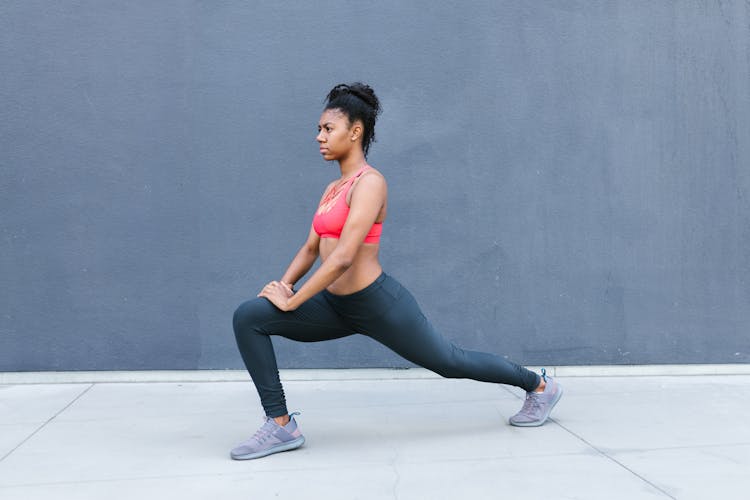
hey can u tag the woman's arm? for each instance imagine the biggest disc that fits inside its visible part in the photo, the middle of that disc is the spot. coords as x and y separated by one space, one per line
307 255
366 202
304 259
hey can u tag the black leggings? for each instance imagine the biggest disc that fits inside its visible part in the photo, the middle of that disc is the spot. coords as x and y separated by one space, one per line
384 311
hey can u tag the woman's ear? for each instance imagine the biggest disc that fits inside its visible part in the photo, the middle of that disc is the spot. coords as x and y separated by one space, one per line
356 131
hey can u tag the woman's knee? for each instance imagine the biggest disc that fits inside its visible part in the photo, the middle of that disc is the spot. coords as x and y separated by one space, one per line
251 313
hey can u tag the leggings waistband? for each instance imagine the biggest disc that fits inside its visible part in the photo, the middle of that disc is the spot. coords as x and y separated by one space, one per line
380 279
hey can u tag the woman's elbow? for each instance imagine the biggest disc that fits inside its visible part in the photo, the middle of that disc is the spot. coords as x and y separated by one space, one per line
342 261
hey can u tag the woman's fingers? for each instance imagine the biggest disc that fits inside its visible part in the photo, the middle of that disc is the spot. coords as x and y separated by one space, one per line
276 288
276 294
267 288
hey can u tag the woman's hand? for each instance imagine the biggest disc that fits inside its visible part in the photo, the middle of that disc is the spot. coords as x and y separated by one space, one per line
278 293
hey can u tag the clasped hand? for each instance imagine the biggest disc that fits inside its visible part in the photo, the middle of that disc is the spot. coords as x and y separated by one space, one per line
278 293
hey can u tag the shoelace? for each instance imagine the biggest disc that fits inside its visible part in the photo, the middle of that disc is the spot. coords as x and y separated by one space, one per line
531 404
265 432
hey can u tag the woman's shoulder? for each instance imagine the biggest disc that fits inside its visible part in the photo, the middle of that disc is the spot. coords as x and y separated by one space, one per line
371 176
372 180
374 172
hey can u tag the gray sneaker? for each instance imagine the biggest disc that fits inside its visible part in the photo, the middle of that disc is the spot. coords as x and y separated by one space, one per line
538 405
270 438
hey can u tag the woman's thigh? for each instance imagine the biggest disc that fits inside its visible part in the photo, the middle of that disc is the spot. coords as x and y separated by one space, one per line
406 330
313 321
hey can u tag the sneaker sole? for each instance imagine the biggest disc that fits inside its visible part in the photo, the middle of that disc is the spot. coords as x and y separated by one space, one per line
541 422
291 445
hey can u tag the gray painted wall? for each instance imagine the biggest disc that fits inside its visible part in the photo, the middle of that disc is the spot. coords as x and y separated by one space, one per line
569 181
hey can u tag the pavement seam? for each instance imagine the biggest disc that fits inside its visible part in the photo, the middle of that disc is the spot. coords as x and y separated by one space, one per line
394 467
46 422
611 458
601 452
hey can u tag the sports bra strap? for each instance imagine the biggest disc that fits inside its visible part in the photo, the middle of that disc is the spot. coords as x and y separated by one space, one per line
358 174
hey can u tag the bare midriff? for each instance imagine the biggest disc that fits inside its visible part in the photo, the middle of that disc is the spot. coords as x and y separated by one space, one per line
364 269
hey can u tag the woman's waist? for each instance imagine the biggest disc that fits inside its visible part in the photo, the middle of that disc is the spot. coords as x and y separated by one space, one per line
373 300
356 279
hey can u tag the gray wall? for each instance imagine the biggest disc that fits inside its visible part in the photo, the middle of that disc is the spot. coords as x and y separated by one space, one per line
569 181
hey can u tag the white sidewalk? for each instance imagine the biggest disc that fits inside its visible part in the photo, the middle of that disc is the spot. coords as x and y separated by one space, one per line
403 436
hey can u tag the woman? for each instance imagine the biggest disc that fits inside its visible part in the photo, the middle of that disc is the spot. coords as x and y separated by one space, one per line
349 293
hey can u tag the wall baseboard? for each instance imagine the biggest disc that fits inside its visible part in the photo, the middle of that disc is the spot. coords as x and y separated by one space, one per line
95 377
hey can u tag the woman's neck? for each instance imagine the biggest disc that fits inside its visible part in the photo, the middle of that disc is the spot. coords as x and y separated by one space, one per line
352 164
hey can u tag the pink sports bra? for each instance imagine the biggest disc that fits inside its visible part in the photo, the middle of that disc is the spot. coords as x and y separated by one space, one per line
332 213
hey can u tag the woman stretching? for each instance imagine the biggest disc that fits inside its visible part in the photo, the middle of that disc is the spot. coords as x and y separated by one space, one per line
349 293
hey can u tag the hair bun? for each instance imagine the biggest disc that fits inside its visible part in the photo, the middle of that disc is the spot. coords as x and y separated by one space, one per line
365 92
358 89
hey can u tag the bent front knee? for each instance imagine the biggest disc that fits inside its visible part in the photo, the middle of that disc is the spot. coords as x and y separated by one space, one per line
251 313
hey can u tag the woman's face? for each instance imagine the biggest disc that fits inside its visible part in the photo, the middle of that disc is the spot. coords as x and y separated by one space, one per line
336 136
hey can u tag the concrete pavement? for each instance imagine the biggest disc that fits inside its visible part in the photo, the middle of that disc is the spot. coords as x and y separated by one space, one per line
408 435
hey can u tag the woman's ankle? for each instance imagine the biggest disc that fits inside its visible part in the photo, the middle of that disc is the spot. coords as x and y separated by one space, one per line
542 385
282 420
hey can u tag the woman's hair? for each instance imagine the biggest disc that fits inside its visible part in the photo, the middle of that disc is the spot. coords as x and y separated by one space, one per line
359 102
